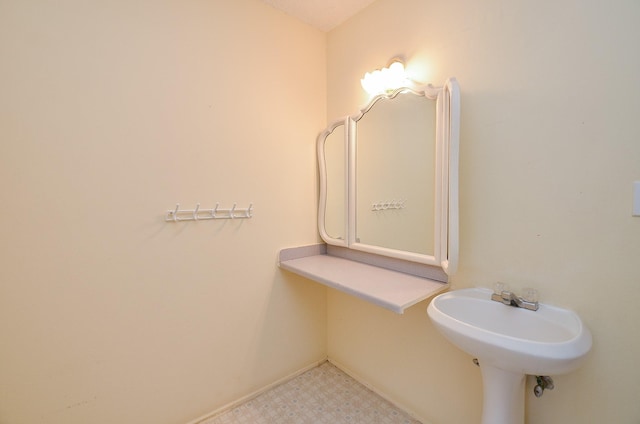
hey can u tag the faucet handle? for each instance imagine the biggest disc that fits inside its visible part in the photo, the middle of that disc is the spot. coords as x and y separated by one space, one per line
498 288
530 295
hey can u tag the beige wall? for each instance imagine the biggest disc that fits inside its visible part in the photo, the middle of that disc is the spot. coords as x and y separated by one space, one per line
111 112
550 146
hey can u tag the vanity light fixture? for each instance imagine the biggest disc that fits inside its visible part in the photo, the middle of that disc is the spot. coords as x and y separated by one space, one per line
385 79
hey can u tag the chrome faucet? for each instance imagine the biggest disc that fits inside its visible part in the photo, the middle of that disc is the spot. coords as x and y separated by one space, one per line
530 301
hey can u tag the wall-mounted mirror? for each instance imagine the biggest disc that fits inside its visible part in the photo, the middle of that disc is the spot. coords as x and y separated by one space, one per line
389 177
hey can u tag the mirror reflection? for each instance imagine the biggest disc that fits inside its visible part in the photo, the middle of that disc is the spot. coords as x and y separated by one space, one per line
395 174
335 151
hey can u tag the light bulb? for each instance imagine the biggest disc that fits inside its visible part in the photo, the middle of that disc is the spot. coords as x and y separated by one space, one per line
385 79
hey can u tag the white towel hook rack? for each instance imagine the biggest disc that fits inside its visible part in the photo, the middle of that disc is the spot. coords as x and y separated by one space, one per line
384 205
197 214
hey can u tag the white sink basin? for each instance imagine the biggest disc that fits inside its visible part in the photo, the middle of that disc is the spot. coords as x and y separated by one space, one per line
548 341
509 343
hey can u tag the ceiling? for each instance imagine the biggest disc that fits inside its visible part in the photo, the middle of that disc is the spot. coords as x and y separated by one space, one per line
322 14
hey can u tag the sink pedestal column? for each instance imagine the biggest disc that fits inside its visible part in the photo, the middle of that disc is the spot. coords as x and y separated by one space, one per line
503 393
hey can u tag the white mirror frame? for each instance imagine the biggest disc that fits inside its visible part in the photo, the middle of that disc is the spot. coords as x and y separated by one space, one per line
322 203
446 190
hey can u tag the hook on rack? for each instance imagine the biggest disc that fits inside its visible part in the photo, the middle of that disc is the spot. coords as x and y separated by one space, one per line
197 214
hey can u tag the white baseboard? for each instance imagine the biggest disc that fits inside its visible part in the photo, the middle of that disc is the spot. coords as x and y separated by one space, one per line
257 393
375 390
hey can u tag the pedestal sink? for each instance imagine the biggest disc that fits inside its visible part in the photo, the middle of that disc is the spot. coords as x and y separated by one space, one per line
509 343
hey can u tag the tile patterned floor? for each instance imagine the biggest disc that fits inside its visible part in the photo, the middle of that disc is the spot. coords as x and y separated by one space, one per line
321 395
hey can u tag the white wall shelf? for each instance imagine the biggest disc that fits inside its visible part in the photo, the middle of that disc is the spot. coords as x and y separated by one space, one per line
391 289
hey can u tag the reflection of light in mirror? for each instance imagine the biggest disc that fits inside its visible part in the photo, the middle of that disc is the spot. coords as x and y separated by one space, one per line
385 79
